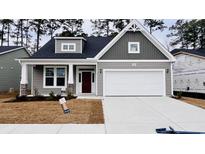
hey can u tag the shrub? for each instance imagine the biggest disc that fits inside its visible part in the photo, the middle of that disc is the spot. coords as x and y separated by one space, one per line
36 92
70 96
179 95
51 95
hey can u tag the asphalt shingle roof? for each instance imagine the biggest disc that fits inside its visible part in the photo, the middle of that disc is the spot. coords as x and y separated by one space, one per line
7 48
199 52
92 47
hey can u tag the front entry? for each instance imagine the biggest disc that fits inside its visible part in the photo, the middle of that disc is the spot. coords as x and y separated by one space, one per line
86 82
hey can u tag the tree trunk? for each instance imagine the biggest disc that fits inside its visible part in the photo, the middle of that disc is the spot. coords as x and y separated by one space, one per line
17 37
150 30
38 36
21 27
8 33
107 28
2 35
51 32
26 32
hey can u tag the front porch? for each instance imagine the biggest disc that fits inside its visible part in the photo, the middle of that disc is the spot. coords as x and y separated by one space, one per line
74 78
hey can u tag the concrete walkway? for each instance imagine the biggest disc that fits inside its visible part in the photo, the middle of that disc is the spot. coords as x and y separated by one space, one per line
52 129
145 114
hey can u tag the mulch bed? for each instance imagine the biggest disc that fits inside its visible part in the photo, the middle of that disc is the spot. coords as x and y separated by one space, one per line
83 111
194 101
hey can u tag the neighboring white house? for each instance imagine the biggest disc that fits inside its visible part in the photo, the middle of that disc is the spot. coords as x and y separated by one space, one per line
189 70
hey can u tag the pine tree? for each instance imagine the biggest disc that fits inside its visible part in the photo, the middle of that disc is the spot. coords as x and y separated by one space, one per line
6 26
52 25
188 34
119 24
201 33
73 27
17 32
96 24
102 27
9 23
39 27
26 29
154 25
178 33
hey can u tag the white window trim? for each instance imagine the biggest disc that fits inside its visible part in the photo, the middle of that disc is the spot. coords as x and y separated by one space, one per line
55 77
74 47
129 47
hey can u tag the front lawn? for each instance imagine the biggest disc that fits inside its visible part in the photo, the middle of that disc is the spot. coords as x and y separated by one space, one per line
83 111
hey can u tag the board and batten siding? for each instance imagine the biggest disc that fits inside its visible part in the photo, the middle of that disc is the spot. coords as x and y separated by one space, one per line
10 70
58 43
129 65
120 49
38 81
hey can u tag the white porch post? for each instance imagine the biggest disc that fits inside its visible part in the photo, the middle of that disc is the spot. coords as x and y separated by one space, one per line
24 79
70 79
70 74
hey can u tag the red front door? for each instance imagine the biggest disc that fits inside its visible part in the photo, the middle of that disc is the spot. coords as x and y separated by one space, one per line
86 82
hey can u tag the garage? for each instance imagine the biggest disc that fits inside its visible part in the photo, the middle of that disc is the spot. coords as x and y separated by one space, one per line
134 82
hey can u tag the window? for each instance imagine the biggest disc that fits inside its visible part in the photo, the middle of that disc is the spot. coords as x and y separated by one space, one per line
133 47
49 77
60 77
55 76
70 47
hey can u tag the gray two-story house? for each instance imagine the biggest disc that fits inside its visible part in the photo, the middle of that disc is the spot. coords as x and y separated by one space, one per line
133 63
10 69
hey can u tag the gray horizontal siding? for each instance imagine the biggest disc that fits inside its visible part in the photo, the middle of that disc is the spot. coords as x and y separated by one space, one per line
59 42
120 49
153 65
11 70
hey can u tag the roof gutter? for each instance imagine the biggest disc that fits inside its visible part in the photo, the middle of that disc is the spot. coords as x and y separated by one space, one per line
56 61
8 51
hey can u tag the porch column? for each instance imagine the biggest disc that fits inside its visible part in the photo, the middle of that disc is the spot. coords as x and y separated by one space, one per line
24 80
70 79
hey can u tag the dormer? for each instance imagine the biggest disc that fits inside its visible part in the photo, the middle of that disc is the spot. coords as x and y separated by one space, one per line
69 44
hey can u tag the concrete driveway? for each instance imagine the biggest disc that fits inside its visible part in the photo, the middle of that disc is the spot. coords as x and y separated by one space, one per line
145 114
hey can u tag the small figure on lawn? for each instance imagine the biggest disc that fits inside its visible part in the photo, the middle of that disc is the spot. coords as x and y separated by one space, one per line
62 102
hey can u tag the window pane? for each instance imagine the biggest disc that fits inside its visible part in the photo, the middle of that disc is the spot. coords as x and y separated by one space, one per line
71 47
60 81
134 47
61 72
49 81
65 47
49 72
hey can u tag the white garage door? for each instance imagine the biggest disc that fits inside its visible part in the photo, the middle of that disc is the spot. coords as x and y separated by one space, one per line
134 82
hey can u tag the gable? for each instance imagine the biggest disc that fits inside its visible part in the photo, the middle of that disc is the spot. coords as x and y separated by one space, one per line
119 50
9 58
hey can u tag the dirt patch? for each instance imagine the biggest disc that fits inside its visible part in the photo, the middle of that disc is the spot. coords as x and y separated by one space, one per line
83 111
7 95
194 101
